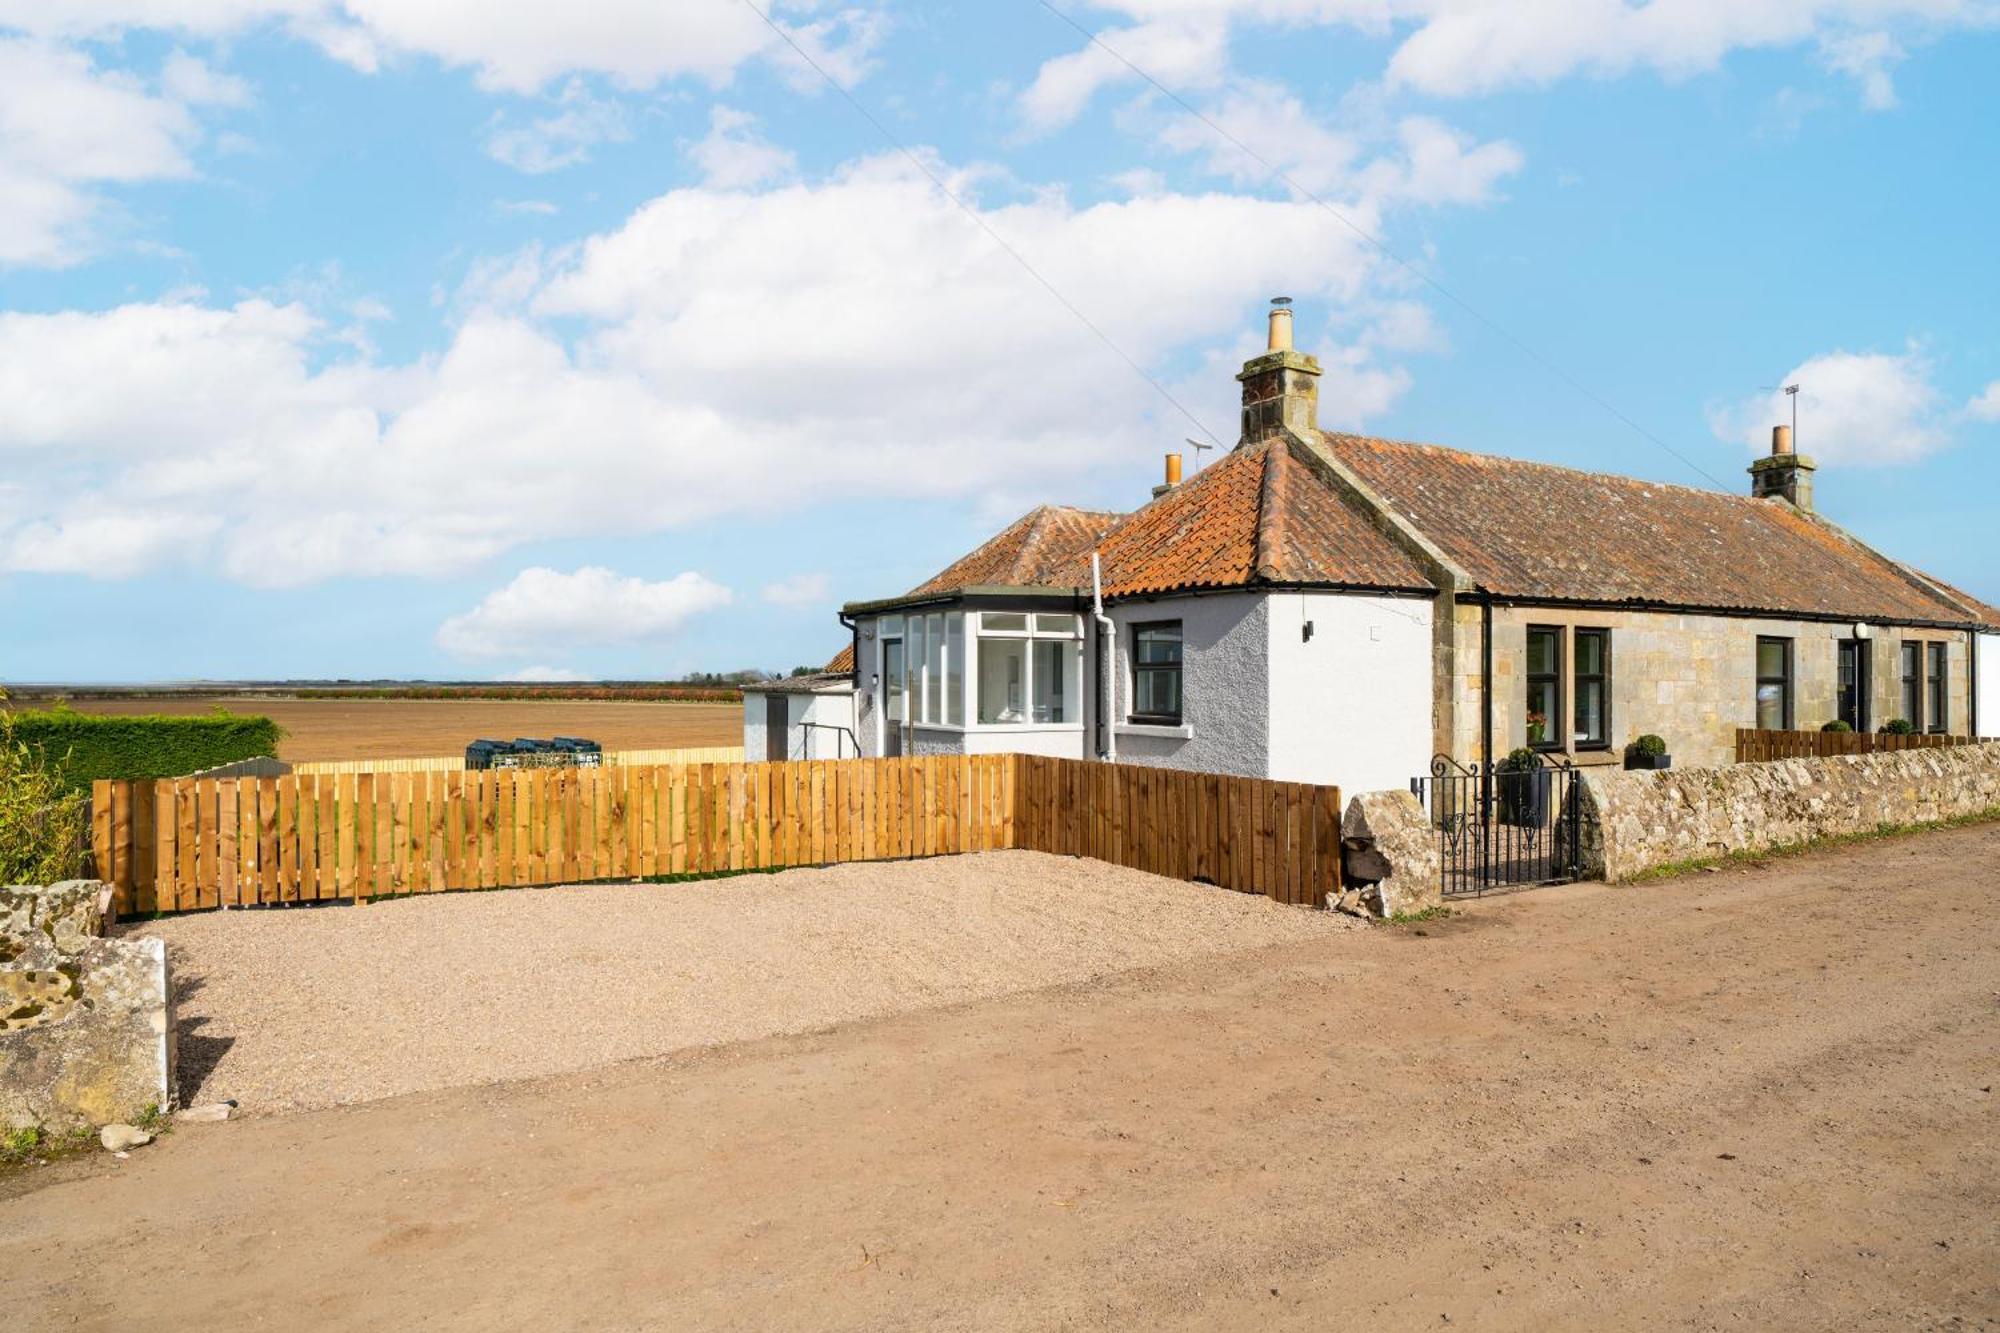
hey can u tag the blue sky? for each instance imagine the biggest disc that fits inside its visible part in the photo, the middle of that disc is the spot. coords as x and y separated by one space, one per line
343 337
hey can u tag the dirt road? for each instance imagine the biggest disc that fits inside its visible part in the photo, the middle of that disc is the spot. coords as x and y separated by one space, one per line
1760 1099
317 729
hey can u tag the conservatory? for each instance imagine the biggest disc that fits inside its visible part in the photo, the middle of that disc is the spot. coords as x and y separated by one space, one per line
977 681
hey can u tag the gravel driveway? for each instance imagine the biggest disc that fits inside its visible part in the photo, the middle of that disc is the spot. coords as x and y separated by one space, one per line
286 1009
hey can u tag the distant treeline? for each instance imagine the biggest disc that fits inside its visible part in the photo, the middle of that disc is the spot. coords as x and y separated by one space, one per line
715 689
701 694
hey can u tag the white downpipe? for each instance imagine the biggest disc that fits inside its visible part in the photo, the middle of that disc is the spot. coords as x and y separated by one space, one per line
1107 639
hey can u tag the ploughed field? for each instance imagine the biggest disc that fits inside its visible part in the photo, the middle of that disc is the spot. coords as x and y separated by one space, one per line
322 729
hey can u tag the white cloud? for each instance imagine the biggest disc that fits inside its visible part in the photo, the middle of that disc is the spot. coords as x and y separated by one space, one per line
1459 48
1855 408
723 352
512 45
1428 162
194 82
800 590
580 123
1985 406
734 156
544 608
544 675
68 128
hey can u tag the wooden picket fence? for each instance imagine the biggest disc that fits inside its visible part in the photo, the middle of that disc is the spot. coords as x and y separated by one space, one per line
191 844
1280 839
1754 746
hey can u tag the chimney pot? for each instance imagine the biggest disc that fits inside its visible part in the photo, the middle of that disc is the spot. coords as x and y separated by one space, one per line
1173 476
1280 339
1781 440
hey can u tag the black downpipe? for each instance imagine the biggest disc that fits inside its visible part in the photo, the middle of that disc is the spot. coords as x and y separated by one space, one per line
1486 701
1972 685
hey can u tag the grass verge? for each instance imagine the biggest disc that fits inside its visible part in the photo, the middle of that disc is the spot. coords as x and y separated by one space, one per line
1784 849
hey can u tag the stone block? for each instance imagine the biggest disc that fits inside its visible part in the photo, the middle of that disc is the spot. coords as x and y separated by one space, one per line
86 1023
1394 824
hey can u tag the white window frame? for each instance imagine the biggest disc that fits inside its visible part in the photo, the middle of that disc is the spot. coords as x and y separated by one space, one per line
1033 630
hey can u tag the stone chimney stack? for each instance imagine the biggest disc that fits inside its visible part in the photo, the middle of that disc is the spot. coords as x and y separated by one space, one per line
1281 387
1784 475
1173 476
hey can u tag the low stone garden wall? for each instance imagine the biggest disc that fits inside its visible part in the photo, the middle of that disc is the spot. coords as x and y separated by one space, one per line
86 1023
1636 822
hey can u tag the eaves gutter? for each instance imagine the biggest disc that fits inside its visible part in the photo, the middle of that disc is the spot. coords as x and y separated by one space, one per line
1724 612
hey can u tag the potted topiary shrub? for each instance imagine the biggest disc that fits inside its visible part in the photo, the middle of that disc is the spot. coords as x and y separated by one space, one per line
1836 725
1524 790
1898 726
1648 751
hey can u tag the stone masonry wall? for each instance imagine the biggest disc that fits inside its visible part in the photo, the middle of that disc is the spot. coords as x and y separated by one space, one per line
1690 679
1635 822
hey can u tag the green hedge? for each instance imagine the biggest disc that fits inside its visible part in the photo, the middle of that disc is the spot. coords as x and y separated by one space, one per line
111 745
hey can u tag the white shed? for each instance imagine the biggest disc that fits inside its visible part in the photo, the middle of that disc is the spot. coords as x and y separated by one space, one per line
805 717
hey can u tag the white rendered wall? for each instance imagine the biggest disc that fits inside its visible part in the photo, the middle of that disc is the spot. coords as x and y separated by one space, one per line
1352 705
1989 684
753 725
1225 711
835 710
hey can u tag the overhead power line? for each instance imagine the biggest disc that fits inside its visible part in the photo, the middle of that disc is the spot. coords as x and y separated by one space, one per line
1382 247
979 219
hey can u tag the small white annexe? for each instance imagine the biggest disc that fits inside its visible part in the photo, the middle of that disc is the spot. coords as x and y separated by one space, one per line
805 717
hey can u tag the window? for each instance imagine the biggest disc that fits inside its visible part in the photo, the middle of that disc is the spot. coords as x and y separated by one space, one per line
1028 668
1055 680
1774 684
1003 680
913 668
1852 701
1913 684
1593 700
1938 715
954 669
934 668
1545 709
1156 672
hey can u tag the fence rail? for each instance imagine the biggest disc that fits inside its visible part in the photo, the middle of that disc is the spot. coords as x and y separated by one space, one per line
195 844
1754 746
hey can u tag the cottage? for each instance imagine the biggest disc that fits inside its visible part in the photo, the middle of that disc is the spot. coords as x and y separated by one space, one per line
1325 607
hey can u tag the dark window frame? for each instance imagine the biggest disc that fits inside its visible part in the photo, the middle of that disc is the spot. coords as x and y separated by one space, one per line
1913 683
1142 669
1784 680
1602 678
1937 672
1556 730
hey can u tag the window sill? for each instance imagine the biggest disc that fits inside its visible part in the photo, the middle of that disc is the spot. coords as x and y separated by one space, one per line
1159 730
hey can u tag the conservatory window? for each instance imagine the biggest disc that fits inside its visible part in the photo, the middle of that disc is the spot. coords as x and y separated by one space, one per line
1028 667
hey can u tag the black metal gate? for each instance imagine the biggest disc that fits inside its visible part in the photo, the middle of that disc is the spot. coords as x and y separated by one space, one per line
1501 828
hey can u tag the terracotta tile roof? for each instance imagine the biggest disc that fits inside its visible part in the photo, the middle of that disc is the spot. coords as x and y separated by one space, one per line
842 661
1533 530
1260 514
1039 549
